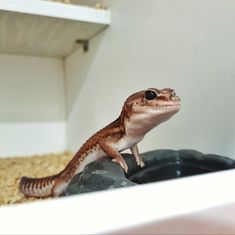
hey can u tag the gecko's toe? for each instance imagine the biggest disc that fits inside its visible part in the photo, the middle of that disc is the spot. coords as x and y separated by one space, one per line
122 163
141 164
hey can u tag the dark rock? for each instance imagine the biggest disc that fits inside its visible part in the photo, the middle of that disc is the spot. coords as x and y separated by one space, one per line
100 175
159 165
168 164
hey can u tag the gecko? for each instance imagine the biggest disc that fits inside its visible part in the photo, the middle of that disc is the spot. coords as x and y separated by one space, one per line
141 112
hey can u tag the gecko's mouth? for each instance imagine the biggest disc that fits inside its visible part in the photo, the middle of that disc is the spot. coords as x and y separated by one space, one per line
169 106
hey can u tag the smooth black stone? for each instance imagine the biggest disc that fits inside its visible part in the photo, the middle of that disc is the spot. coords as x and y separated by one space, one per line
159 165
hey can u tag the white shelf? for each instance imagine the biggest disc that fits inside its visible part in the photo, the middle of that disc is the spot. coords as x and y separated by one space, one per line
43 28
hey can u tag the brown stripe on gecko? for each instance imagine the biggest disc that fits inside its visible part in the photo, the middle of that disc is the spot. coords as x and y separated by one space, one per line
35 186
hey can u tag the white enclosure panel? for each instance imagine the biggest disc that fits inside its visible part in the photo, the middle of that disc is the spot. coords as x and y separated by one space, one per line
218 220
25 139
138 208
44 28
187 45
32 101
32 89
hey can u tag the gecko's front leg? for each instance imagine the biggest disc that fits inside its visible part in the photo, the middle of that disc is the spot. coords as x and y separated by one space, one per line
138 157
107 146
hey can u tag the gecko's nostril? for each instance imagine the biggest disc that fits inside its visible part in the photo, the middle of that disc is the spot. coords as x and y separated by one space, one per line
175 98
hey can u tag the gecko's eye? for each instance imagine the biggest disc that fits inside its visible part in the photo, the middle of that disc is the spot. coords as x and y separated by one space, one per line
150 95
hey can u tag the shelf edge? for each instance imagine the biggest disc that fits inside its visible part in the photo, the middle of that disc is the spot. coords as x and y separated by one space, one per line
57 10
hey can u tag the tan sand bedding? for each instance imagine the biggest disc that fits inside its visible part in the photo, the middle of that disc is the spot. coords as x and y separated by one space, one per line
11 169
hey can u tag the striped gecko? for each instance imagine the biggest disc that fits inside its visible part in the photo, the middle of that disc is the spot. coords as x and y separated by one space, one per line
141 112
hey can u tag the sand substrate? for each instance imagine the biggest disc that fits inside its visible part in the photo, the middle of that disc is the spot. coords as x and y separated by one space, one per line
12 169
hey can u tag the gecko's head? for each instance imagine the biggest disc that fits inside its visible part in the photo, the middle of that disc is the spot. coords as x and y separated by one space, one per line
149 108
153 101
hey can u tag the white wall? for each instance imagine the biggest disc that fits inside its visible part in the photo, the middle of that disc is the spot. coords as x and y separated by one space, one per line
32 105
186 45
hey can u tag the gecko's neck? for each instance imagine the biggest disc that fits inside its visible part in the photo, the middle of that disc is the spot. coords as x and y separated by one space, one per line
138 124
